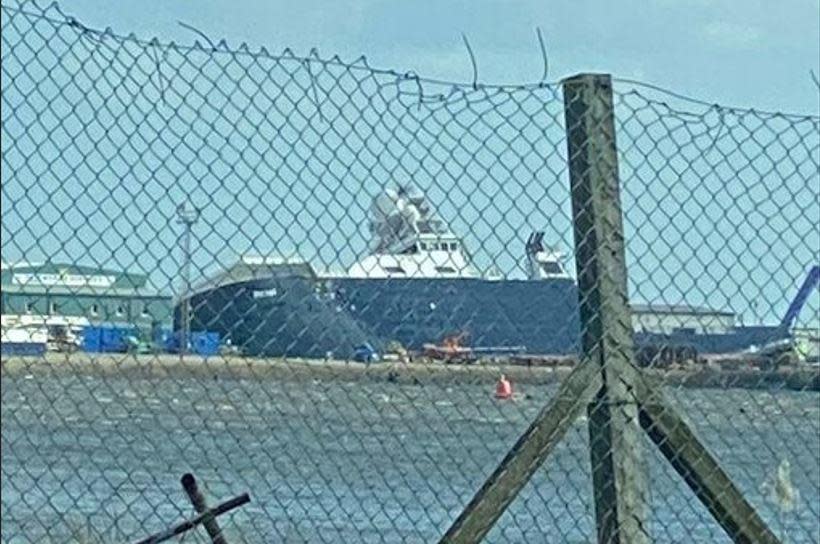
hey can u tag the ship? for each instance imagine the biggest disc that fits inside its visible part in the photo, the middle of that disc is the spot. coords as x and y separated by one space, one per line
415 286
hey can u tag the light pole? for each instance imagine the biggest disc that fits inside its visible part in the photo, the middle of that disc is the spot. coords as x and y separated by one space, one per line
185 216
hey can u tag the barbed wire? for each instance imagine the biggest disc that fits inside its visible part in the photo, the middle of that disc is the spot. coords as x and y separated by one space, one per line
361 63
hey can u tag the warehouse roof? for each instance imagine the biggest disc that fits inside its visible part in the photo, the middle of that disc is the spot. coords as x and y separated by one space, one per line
37 289
77 277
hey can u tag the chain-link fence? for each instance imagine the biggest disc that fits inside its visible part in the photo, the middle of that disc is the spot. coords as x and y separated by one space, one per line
365 298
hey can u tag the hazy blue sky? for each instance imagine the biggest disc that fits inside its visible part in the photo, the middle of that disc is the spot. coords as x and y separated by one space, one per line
721 207
751 53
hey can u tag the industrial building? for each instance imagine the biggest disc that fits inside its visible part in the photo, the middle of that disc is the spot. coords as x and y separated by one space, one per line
53 294
681 318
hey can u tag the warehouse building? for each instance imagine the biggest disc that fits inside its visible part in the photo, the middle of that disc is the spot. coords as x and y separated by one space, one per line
681 318
53 294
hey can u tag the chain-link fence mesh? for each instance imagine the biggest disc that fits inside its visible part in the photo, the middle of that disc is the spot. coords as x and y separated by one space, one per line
303 279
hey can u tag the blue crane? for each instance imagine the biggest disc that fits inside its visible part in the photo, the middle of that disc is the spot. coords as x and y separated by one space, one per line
811 281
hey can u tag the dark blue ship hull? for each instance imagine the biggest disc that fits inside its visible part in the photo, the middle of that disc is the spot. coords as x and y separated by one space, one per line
308 317
540 316
302 316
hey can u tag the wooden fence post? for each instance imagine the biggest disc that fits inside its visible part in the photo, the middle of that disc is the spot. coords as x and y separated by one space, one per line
622 403
615 434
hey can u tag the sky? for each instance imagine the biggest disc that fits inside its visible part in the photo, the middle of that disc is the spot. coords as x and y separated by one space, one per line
102 139
749 53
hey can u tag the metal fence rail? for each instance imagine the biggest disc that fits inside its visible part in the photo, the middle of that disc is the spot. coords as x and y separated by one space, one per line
393 310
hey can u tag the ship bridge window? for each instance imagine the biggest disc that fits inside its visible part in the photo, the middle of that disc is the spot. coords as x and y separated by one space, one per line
394 270
446 269
453 246
552 268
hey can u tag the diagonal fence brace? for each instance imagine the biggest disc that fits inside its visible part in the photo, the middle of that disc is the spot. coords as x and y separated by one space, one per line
525 457
701 471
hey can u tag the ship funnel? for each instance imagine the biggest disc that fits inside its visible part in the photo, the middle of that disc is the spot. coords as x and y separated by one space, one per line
535 243
542 263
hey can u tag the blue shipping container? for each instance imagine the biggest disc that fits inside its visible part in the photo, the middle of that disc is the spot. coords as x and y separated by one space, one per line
205 343
162 335
199 342
92 338
107 338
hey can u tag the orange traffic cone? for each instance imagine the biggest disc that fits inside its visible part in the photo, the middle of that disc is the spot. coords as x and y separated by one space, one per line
503 389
